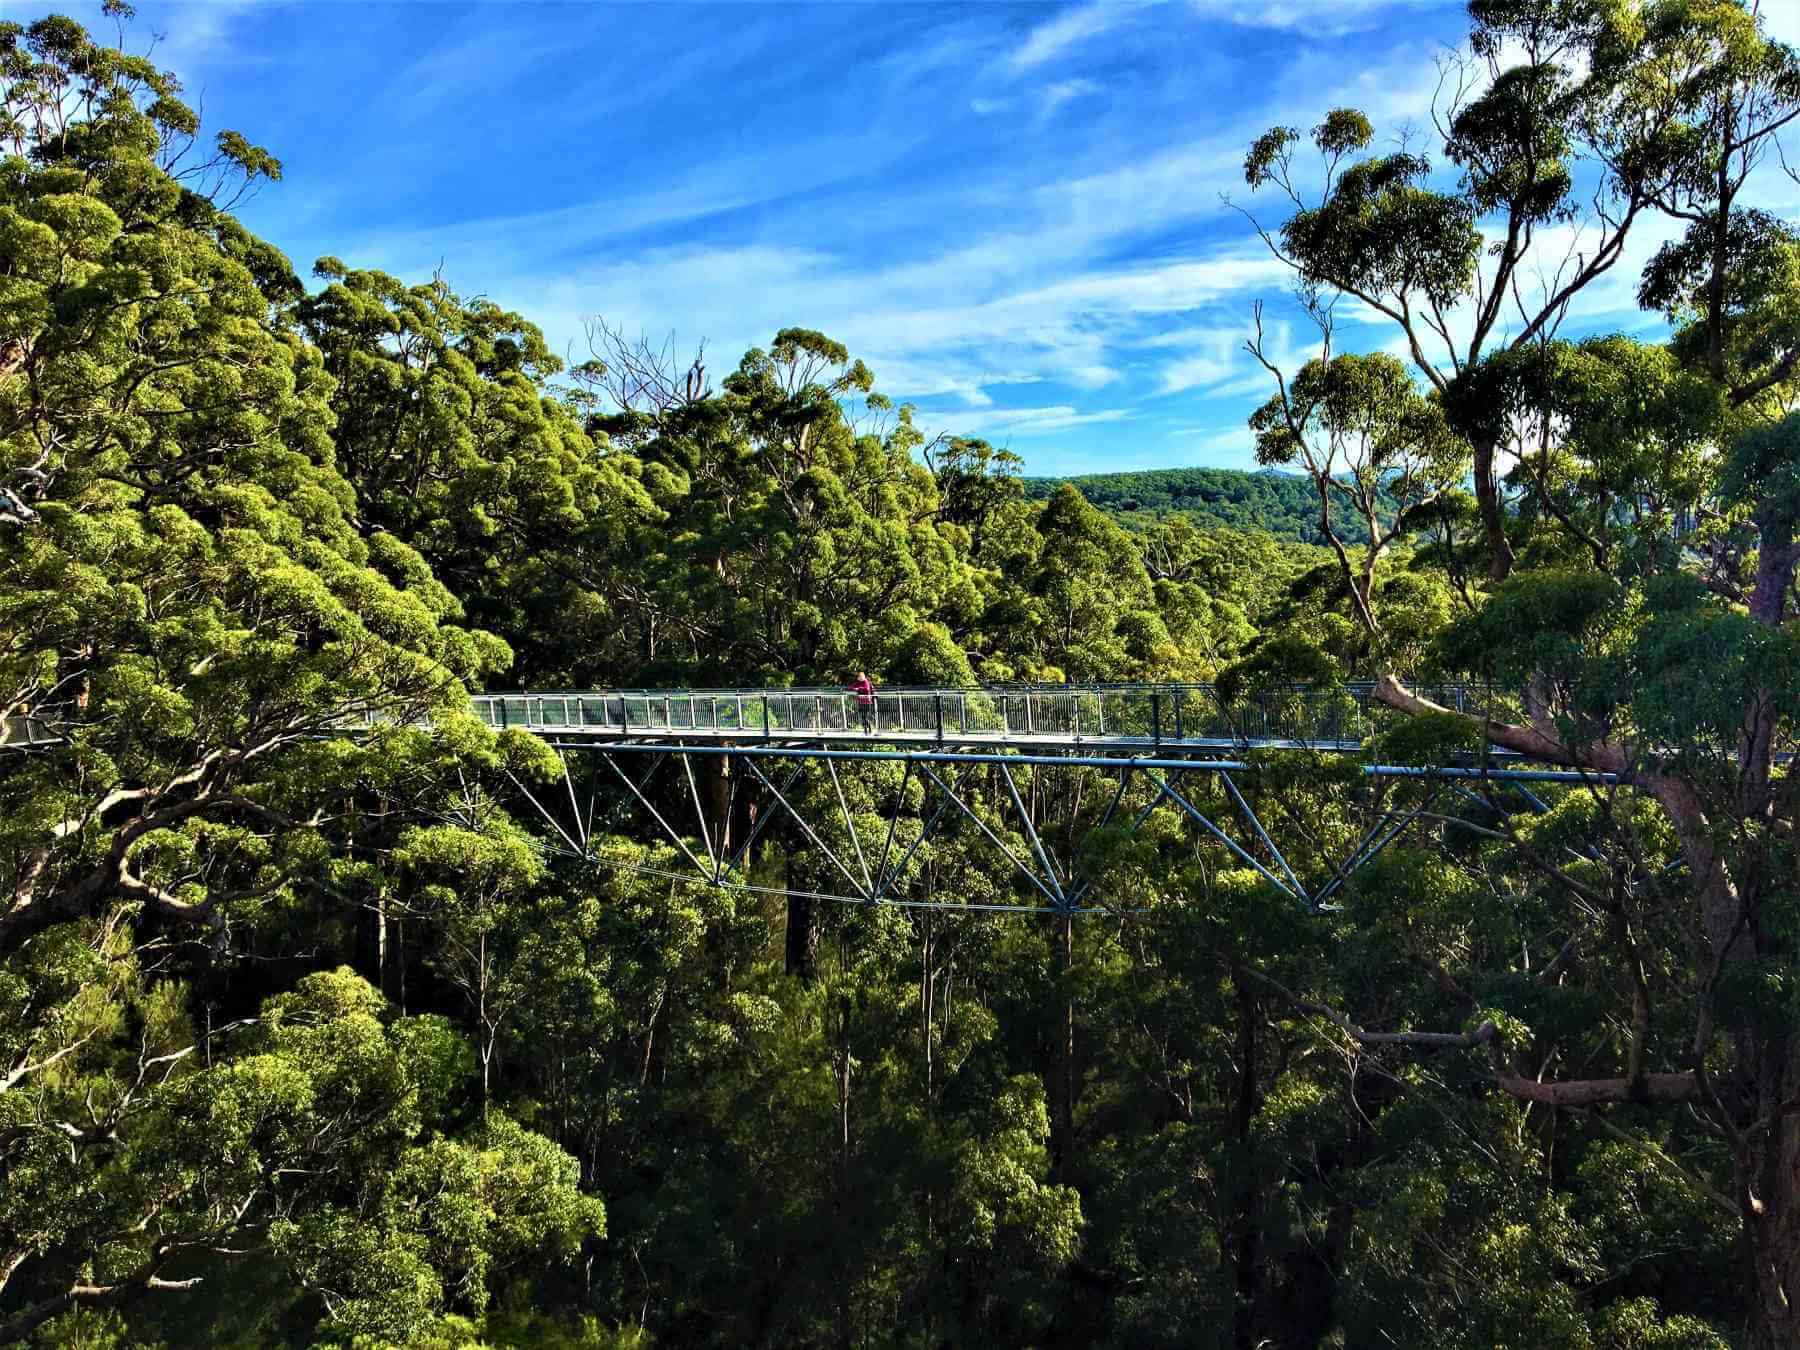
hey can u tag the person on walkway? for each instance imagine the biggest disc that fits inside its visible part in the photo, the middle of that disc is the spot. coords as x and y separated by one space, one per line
865 701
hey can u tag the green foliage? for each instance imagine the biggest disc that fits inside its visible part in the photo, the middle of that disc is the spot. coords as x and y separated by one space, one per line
1279 504
314 1031
1555 622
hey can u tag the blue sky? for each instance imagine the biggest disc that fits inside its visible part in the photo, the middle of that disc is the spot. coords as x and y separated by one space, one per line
1011 211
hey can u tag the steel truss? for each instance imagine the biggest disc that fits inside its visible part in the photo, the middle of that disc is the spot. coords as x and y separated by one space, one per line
762 778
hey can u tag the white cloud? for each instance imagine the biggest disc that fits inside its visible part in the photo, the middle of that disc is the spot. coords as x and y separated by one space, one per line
964 287
915 381
1049 40
1215 360
1022 422
1231 447
471 64
199 33
1315 18
1055 95
1212 357
1170 288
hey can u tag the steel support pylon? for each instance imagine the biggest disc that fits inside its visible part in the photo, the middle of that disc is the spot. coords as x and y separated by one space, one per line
626 780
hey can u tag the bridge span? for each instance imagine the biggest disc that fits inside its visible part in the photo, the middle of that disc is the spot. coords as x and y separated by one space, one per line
786 755
1096 719
1038 773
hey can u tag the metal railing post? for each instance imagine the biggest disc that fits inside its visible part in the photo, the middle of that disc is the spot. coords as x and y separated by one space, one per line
765 703
1156 718
937 704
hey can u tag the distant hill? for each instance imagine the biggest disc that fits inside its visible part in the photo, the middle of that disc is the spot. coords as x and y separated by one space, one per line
1279 504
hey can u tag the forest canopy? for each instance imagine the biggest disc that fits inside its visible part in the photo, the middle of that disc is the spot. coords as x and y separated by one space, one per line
1284 505
313 1034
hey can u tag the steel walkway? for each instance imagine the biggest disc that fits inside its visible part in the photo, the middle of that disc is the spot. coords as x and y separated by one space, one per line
1097 719
777 761
1158 745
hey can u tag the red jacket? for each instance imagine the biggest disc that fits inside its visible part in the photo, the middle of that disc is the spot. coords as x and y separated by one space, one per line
864 691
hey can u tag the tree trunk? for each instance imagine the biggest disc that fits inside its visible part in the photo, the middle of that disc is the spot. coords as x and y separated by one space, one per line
1244 1255
1768 1190
802 931
743 820
925 986
845 1275
381 942
1062 1142
481 1020
718 806
1493 515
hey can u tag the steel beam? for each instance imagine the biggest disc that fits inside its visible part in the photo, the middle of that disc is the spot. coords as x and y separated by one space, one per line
887 879
1223 838
982 825
850 826
1166 765
807 829
1031 837
668 829
1261 833
1080 760
553 822
1081 890
762 821
712 854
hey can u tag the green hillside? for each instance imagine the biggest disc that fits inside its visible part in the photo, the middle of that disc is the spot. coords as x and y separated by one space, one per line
1275 503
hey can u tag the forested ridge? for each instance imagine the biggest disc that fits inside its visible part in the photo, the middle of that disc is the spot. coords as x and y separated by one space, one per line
312 1039
1282 504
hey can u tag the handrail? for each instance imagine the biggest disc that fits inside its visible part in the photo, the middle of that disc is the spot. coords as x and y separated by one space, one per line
1076 714
1079 713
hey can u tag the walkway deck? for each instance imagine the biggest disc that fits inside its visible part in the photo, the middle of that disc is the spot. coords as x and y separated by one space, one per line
1090 719
1116 719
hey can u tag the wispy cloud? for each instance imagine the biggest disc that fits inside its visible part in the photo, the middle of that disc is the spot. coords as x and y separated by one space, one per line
1232 447
1018 226
187 37
1216 361
1210 362
1055 95
470 65
1024 422
1314 18
1041 283
1052 39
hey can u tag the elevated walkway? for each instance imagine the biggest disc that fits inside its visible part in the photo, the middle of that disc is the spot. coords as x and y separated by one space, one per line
1094 719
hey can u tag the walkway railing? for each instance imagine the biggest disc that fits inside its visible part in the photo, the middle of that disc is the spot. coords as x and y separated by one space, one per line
1124 715
26 732
1152 714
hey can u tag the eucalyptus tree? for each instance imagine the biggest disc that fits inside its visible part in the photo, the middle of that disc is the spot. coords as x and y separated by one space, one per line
447 424
1650 622
1570 124
1363 433
196 614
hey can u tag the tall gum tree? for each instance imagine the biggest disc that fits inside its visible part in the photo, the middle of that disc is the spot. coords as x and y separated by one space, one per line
193 610
1650 614
1569 122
